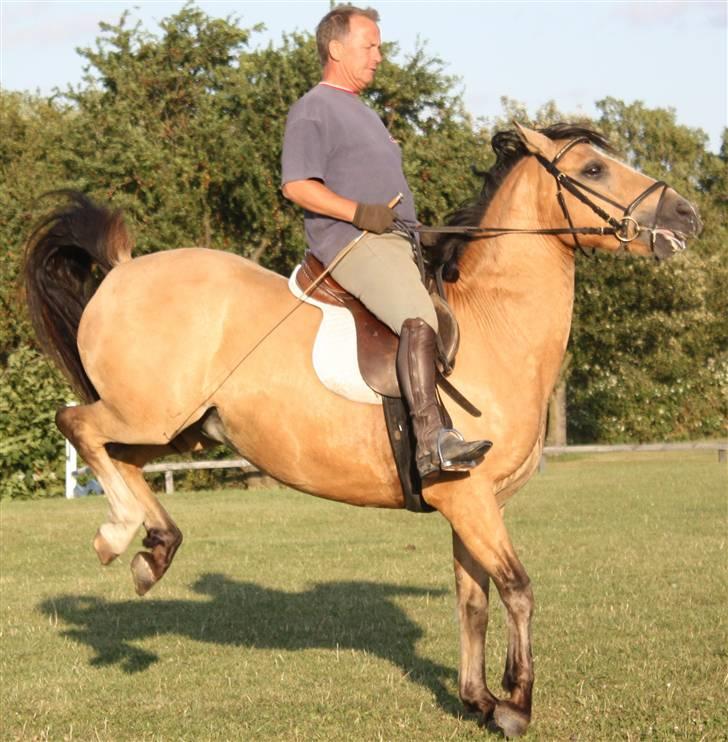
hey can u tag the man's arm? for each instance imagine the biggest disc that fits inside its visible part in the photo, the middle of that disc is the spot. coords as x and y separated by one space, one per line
313 195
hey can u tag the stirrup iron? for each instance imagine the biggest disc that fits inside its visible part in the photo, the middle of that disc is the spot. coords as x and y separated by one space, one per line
447 464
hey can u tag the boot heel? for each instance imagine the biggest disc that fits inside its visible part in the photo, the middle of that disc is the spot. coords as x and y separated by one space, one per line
427 467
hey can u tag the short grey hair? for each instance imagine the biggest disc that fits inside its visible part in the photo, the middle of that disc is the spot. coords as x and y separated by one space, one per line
334 26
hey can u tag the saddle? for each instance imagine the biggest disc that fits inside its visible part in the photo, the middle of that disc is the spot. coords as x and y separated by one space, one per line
376 348
376 343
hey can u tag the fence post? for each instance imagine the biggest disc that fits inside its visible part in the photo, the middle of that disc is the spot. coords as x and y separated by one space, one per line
71 465
168 482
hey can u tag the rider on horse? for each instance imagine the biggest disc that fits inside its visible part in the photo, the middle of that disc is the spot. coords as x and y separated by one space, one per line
341 165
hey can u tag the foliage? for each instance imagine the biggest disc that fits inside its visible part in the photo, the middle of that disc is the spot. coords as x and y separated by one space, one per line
183 130
650 342
31 447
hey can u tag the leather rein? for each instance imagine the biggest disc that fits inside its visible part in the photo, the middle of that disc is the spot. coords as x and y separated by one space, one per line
626 229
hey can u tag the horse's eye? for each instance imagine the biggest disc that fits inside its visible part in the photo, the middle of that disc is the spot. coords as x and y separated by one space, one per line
594 169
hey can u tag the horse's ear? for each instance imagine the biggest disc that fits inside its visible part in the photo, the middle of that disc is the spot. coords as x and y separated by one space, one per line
535 143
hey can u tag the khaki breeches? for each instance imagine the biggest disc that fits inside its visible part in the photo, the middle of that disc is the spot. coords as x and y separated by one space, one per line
381 272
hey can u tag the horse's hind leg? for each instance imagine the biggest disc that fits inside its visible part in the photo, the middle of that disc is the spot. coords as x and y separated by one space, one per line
472 584
86 427
163 536
118 467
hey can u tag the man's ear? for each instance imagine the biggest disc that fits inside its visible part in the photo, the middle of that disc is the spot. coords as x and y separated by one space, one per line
536 143
335 50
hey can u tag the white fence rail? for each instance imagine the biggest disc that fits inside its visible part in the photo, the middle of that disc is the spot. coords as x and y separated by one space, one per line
74 489
720 446
77 490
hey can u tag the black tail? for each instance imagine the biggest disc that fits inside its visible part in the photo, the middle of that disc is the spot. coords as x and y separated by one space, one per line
68 255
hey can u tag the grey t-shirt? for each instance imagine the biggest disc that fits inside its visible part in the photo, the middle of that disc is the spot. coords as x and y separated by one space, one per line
332 136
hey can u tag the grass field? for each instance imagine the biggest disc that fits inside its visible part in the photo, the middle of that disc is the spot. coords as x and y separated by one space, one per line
287 617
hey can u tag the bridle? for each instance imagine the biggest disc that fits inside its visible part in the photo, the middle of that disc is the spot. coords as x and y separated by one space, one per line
625 229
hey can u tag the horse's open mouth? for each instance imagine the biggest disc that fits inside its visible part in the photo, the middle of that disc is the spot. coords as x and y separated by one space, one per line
668 242
677 240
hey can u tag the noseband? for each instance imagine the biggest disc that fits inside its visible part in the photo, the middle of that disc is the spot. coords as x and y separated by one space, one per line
625 229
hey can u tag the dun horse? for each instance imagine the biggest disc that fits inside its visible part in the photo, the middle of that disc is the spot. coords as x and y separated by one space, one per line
150 343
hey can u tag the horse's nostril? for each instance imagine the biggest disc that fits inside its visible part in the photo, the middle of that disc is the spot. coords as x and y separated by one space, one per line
683 208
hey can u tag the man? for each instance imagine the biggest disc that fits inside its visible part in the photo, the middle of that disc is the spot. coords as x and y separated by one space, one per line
341 165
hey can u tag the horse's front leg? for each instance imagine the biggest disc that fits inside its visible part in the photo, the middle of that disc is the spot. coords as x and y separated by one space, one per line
472 585
478 522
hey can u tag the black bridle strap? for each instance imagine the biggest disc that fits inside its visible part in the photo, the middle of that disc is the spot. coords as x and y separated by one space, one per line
575 189
497 231
619 228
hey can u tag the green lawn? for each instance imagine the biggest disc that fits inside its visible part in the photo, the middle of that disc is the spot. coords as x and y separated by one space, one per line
287 617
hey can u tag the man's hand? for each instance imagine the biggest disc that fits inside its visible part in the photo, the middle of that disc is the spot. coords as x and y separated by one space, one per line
376 218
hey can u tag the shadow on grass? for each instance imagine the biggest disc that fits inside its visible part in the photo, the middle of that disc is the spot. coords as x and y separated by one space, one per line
335 615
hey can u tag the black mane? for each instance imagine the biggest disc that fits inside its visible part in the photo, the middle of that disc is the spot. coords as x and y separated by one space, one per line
509 150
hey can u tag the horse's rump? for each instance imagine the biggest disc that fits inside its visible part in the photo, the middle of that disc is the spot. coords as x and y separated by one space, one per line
180 320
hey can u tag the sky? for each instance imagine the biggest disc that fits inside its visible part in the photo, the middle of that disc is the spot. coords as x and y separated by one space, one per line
666 54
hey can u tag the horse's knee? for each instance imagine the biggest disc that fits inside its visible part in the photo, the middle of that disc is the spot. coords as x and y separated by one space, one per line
514 584
518 598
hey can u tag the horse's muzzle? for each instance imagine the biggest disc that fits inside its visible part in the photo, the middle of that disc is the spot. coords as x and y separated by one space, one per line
676 222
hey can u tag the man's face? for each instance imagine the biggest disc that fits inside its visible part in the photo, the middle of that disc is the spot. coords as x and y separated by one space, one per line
359 54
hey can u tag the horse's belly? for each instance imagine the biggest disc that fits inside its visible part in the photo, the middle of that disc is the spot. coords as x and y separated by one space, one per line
277 413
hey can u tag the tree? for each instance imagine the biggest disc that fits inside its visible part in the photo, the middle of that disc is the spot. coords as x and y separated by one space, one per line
184 131
649 341
30 387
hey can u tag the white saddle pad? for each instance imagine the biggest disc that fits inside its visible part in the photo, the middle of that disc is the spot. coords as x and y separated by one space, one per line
334 350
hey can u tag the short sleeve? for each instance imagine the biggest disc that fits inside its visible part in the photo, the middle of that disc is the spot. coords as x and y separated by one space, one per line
303 151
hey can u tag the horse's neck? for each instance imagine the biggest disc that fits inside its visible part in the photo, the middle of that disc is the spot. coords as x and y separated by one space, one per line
516 292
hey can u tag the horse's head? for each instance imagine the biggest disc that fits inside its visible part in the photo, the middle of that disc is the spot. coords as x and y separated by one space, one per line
592 191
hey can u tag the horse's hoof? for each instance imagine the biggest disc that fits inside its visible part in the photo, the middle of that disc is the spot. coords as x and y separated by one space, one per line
511 721
142 572
103 550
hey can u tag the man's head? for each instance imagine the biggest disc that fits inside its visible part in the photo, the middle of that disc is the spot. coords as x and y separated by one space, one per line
348 42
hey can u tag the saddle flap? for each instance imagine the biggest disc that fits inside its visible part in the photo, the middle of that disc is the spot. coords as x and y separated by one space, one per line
376 344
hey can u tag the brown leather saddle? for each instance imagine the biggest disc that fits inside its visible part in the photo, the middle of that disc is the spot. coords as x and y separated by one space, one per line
376 343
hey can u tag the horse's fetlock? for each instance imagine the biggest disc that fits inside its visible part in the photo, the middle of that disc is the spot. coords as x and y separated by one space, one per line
115 537
477 698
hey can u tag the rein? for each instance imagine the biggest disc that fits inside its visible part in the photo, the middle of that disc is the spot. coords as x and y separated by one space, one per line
625 229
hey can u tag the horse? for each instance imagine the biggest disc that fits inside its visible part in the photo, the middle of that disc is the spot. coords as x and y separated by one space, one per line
154 347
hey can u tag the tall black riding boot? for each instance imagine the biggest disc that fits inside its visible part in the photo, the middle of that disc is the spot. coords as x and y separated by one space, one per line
438 448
